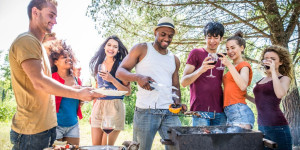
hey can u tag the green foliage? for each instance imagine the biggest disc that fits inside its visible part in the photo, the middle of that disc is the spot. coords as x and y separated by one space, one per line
86 110
7 110
130 104
5 80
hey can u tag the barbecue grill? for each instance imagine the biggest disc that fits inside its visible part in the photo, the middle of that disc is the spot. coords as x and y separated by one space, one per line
215 138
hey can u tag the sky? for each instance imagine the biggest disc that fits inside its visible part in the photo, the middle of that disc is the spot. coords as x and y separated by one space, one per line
72 25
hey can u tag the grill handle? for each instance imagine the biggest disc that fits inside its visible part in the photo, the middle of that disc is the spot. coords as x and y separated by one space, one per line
270 144
167 142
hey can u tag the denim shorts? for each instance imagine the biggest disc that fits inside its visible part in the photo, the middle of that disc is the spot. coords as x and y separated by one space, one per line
279 134
239 114
37 141
72 132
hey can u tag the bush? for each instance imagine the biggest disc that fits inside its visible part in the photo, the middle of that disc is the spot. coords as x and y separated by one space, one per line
86 110
130 103
7 110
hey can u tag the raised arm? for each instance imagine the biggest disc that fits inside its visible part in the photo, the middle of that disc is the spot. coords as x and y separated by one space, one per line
281 86
33 69
240 78
190 74
136 54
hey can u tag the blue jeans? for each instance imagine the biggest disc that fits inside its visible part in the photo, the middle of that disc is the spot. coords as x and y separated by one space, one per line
219 119
239 114
146 123
279 134
37 141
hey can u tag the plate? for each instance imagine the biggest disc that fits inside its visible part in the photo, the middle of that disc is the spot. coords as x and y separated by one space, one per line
110 92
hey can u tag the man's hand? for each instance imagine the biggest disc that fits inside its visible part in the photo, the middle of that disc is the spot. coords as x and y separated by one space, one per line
205 65
184 108
86 94
143 82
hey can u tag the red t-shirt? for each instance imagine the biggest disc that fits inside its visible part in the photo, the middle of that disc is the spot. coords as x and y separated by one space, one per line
206 93
232 93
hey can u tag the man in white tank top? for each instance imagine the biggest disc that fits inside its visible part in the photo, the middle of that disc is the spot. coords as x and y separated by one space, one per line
153 63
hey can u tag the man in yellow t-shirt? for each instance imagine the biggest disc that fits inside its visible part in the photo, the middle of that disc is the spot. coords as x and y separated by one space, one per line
33 125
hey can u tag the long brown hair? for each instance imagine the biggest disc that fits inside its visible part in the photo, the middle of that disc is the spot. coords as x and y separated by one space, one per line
100 55
284 57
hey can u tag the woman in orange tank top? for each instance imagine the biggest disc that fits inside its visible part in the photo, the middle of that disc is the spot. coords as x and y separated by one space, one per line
236 81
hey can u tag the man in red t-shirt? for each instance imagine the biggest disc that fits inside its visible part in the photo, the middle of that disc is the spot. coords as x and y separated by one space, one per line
206 93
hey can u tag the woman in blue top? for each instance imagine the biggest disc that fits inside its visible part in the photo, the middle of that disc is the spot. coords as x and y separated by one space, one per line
110 54
67 108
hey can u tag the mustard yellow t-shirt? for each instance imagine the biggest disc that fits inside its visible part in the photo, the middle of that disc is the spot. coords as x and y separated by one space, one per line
35 108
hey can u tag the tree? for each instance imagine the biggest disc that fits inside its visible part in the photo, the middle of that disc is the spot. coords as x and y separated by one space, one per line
264 22
5 80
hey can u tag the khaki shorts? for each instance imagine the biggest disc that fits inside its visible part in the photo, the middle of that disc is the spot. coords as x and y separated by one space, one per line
114 108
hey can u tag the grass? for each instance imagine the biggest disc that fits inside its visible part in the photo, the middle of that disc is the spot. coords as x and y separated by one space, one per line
4 136
85 136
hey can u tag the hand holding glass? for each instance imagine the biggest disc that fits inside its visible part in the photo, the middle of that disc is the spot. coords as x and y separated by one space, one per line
265 66
224 53
102 68
214 58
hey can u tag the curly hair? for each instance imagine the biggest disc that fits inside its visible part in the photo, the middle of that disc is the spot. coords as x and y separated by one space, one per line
58 48
284 57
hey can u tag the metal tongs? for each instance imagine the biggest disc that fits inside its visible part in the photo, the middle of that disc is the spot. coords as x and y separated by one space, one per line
155 85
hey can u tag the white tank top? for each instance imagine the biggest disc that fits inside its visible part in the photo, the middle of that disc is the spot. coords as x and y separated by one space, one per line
160 68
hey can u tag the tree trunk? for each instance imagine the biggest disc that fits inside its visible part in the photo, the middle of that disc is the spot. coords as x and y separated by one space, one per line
291 107
3 95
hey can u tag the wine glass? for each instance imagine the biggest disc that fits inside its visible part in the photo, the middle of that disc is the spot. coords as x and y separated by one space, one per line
107 126
102 68
265 66
214 58
224 53
87 83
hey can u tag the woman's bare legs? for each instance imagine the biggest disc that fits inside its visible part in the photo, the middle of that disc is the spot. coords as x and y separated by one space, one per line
97 135
112 137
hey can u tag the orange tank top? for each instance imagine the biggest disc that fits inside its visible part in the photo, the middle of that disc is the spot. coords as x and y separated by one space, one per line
232 93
